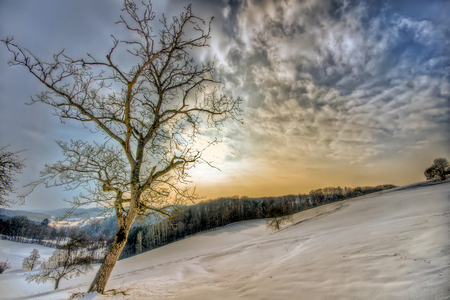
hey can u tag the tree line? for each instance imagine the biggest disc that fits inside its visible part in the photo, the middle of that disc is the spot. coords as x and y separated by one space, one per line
217 213
21 229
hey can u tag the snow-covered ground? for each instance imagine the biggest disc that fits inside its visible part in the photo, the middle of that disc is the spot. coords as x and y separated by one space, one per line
388 245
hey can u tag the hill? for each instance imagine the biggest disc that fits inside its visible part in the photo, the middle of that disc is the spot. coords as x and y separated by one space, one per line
39 215
387 245
33 216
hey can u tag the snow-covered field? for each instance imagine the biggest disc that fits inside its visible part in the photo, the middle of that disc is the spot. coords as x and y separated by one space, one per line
388 245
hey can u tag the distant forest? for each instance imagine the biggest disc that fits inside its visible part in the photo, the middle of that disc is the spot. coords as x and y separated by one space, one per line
189 220
23 230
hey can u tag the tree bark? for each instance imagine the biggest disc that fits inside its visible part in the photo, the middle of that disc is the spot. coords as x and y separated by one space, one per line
99 283
56 283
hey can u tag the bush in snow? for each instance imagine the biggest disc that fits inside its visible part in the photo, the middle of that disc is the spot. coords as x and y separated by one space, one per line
4 265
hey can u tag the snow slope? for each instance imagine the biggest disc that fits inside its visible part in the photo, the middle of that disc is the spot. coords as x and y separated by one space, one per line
388 245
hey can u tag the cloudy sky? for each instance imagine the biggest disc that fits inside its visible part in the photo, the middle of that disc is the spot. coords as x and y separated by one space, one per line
335 92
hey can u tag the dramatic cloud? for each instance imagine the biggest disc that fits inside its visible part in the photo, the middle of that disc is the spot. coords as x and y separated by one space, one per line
336 80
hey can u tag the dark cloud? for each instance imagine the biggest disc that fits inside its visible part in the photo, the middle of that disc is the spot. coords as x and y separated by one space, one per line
231 10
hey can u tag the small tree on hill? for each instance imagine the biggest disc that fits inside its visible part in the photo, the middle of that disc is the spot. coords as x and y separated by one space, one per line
4 265
30 262
439 168
63 264
278 216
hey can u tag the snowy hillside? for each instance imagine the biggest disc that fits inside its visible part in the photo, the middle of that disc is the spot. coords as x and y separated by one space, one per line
389 245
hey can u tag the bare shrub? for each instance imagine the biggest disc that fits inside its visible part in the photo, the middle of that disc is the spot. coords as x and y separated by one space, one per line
4 265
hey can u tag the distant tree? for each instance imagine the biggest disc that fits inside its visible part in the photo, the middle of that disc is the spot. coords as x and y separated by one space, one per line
10 165
4 265
442 167
30 262
63 264
150 114
439 168
278 216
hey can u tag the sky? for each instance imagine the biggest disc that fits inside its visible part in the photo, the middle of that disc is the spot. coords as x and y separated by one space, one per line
336 93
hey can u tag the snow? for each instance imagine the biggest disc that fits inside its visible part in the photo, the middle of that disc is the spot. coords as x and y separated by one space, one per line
388 245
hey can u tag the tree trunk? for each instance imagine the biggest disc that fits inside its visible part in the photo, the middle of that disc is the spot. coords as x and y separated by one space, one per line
57 283
99 283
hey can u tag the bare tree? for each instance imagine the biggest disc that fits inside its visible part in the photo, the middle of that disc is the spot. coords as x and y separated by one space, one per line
63 264
149 114
10 165
277 217
30 262
4 265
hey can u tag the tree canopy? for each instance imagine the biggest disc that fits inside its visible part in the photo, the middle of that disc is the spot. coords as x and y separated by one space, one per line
440 169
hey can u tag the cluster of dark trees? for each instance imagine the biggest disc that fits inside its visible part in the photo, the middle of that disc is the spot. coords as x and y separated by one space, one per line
223 211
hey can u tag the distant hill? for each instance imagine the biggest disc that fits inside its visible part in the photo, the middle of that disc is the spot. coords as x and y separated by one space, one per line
39 215
78 213
34 216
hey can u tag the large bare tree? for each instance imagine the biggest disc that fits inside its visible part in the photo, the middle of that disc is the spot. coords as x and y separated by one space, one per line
150 115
